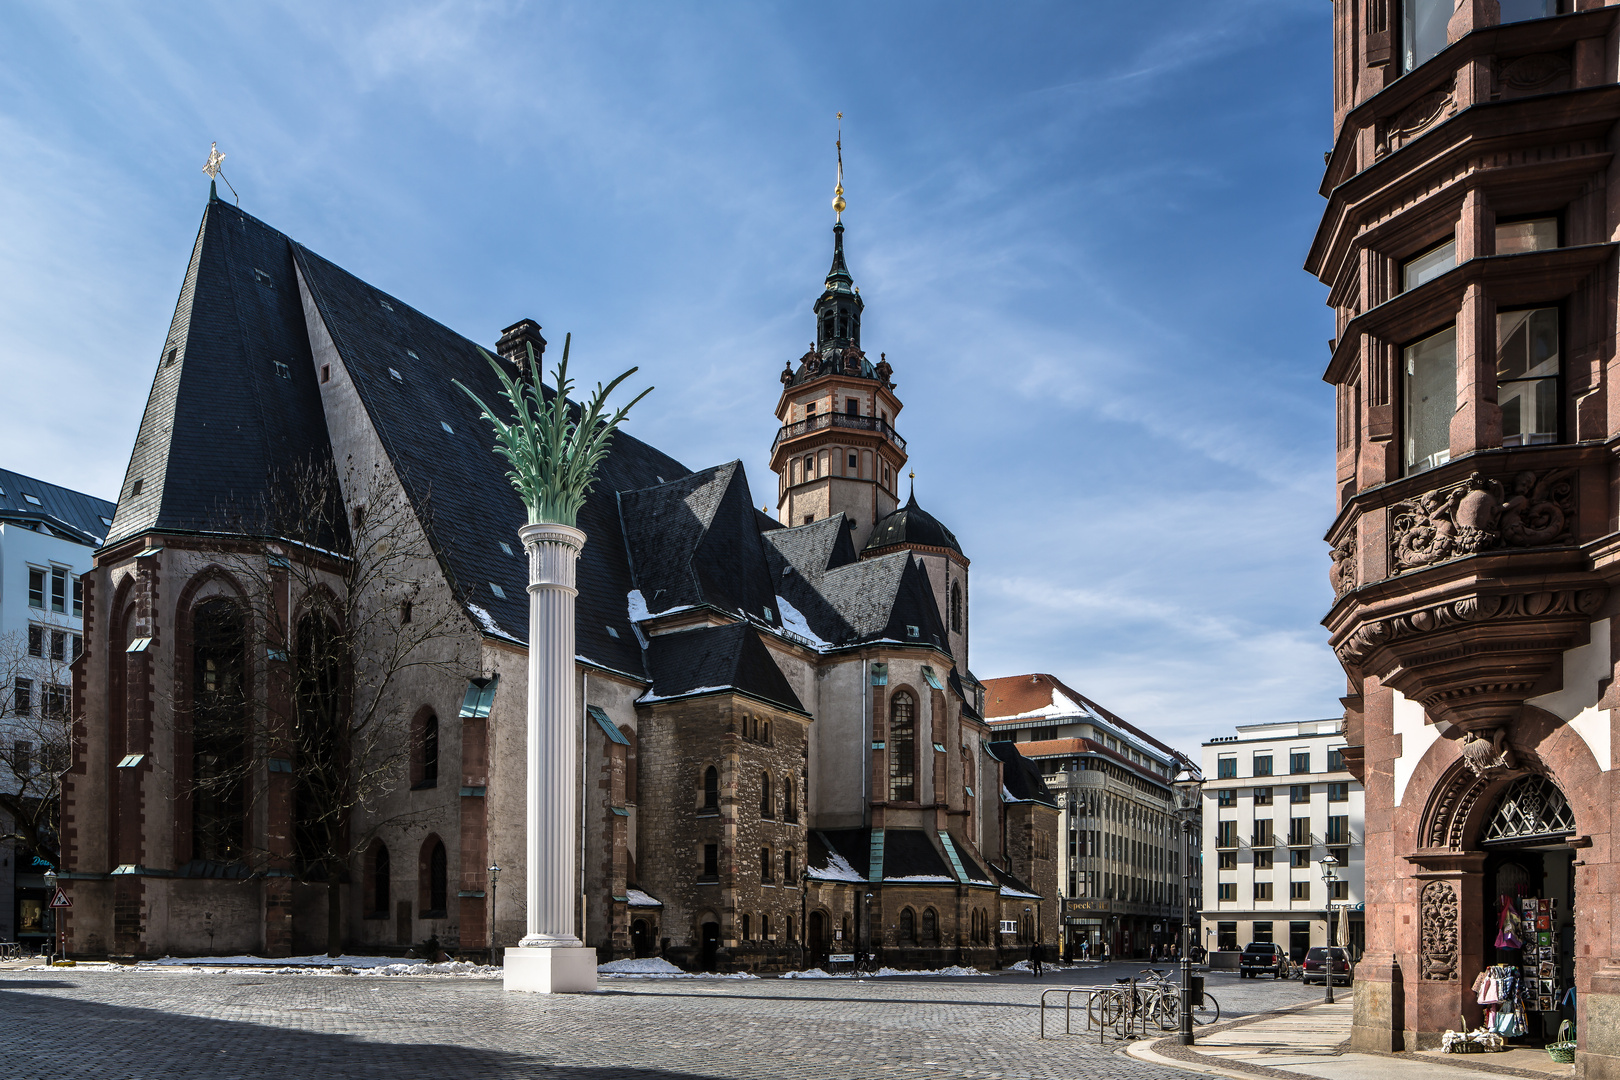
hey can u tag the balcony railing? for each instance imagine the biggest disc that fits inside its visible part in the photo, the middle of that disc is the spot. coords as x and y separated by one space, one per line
838 420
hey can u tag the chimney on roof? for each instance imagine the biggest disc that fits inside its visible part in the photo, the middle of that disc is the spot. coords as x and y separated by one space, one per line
514 343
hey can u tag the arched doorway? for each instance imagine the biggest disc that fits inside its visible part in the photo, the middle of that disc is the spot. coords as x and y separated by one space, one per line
1530 871
711 946
641 938
817 938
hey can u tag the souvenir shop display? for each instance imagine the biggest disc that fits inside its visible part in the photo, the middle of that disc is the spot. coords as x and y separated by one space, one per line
1541 964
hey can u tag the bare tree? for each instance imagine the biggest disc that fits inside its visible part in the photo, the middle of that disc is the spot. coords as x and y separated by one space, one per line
35 735
340 589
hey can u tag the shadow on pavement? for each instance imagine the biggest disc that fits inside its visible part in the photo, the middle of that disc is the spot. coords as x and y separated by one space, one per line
57 1038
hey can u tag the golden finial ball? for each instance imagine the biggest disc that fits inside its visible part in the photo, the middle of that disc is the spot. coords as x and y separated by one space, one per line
838 204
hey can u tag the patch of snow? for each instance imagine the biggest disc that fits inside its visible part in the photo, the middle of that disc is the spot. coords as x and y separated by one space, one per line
449 969
928 878
952 972
656 967
637 605
838 869
649 696
1009 891
813 973
638 898
646 965
794 622
290 961
487 621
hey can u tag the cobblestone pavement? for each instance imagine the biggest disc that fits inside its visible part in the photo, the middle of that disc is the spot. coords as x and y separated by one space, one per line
253 1025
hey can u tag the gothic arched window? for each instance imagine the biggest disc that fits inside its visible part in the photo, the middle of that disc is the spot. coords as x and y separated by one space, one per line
908 927
435 872
790 812
930 926
711 788
767 807
219 730
380 871
767 869
903 749
956 607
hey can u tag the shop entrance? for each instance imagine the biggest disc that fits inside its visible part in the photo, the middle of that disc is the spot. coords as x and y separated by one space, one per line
1529 873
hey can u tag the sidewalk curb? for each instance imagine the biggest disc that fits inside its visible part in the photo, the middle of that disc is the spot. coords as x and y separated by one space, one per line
1147 1050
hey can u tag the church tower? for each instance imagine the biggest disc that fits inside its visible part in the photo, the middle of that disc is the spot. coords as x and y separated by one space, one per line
837 450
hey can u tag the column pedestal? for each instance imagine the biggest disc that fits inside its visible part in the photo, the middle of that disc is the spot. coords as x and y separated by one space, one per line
550 971
551 959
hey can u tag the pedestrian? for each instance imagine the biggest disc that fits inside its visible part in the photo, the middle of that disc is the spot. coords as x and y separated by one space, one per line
1085 951
1035 960
1105 952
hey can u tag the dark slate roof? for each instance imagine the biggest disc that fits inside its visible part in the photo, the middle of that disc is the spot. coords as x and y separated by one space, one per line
69 513
911 524
1020 776
1008 881
716 658
852 846
911 853
696 540
456 480
222 419
847 601
971 866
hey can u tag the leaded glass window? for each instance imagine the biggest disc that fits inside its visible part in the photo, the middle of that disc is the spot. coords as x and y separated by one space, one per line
1532 807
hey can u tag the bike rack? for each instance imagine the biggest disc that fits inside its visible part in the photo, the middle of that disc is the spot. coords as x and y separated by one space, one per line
1130 1018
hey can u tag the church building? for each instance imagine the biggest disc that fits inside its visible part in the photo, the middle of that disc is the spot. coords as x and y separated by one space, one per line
784 755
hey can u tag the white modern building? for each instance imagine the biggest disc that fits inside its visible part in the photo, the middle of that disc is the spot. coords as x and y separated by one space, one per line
47 536
1119 872
1277 799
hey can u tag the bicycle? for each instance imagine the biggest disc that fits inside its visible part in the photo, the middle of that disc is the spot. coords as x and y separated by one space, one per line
1167 1002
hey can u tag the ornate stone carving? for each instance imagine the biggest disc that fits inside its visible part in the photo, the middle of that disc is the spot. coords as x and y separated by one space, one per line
1343 573
1415 119
1472 609
1536 73
1453 801
787 373
1437 915
1484 757
1478 514
884 370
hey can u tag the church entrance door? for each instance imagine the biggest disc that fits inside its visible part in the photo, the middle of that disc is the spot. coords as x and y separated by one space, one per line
711 945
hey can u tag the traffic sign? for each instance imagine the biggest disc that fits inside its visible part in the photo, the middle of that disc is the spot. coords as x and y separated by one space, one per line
61 900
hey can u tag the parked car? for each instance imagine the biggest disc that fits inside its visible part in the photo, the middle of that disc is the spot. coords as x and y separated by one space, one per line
1315 967
1263 957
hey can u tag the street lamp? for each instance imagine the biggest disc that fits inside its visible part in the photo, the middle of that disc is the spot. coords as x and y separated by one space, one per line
494 878
1328 878
871 936
56 913
1188 785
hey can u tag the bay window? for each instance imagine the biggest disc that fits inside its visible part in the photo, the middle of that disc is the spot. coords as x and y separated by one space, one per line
1429 397
1423 24
1527 361
1429 265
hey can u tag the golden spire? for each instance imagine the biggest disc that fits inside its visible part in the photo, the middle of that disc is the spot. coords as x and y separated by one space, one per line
838 191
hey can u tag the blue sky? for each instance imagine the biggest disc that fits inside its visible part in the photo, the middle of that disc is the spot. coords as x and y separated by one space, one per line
1078 228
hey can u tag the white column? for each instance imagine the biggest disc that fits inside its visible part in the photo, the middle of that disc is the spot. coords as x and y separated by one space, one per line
553 552
550 958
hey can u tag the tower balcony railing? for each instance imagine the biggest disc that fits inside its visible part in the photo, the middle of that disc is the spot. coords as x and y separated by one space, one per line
838 420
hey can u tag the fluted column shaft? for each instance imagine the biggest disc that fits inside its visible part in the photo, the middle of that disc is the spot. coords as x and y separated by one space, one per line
553 552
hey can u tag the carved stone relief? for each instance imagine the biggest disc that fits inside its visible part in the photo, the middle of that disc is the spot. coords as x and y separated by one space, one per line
1343 573
1414 120
1486 756
1473 609
1479 514
1539 73
1437 915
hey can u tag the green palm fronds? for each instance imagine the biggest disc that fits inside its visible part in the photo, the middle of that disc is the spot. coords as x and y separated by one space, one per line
553 457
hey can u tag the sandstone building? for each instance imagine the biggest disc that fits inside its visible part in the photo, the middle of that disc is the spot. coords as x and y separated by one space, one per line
784 755
1469 249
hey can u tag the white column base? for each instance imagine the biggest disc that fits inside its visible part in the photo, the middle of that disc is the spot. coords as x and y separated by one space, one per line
550 971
